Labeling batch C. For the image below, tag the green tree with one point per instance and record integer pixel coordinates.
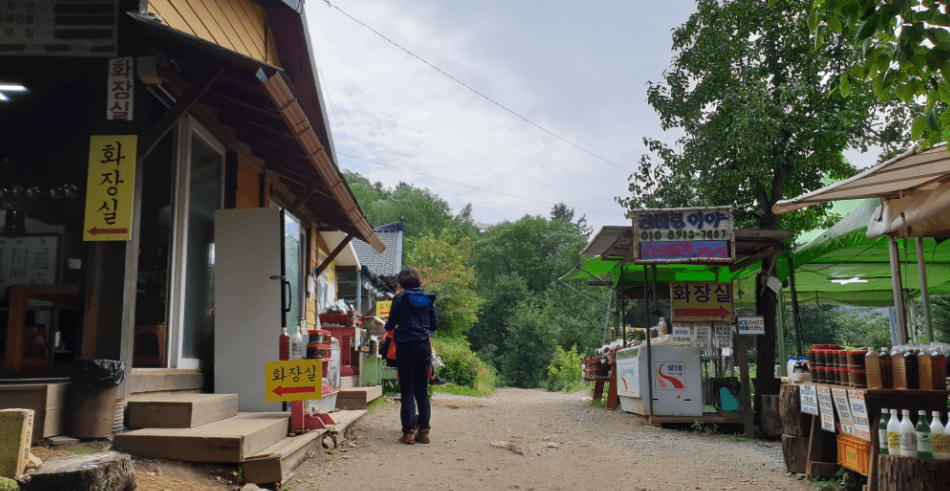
(424, 211)
(905, 54)
(442, 262)
(491, 329)
(528, 348)
(762, 121)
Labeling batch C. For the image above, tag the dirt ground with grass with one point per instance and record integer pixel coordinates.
(527, 439)
(534, 439)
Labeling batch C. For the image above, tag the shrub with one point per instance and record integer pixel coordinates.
(462, 367)
(566, 371)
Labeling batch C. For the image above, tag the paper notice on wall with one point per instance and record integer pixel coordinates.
(703, 332)
(826, 407)
(682, 336)
(723, 336)
(840, 397)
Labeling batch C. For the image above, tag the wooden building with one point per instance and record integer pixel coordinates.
(125, 126)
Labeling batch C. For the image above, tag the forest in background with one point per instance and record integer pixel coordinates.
(499, 294)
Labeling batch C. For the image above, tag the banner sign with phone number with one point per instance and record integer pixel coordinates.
(677, 235)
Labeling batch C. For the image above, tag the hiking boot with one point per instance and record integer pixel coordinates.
(408, 438)
(437, 381)
(423, 436)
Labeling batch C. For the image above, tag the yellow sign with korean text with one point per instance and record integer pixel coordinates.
(383, 308)
(702, 301)
(110, 187)
(297, 380)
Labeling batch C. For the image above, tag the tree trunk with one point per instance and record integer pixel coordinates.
(765, 304)
(897, 473)
(106, 471)
(795, 451)
(794, 422)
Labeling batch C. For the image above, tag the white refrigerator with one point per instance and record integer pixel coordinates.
(258, 276)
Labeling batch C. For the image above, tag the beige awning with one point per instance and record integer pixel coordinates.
(895, 178)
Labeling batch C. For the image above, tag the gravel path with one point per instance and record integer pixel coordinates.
(539, 440)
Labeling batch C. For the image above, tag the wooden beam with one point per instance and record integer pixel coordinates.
(763, 254)
(336, 252)
(175, 112)
(763, 234)
(301, 200)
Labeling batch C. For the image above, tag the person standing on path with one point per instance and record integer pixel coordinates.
(412, 319)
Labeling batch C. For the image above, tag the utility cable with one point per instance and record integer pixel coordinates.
(489, 99)
(470, 186)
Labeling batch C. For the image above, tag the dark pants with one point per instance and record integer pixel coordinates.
(414, 359)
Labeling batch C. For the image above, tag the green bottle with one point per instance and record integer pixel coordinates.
(882, 430)
(925, 450)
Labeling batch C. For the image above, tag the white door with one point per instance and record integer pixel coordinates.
(199, 191)
(248, 303)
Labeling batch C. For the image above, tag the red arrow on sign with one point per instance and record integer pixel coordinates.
(721, 312)
(281, 390)
(97, 231)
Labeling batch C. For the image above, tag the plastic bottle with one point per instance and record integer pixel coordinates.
(939, 363)
(893, 434)
(912, 368)
(925, 370)
(790, 366)
(908, 435)
(941, 442)
(925, 449)
(887, 369)
(900, 368)
(882, 430)
(872, 363)
(297, 346)
(284, 344)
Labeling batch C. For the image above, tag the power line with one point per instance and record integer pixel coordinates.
(470, 186)
(489, 99)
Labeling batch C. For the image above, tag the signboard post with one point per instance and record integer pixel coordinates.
(754, 325)
(683, 235)
(296, 380)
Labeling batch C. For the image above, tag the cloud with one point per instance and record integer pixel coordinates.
(577, 70)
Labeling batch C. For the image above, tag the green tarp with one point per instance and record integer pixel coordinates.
(841, 252)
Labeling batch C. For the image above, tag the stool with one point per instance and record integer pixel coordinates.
(149, 348)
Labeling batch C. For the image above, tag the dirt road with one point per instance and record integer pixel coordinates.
(533, 439)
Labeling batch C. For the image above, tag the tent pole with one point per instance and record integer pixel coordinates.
(649, 333)
(623, 325)
(795, 313)
(782, 352)
(898, 290)
(924, 294)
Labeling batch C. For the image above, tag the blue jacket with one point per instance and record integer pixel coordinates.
(413, 316)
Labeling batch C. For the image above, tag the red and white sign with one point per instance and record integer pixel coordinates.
(670, 375)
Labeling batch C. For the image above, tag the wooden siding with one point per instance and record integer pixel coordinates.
(238, 25)
(248, 185)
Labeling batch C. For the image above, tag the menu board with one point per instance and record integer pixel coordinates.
(682, 335)
(827, 408)
(859, 415)
(723, 336)
(840, 397)
(28, 260)
(809, 399)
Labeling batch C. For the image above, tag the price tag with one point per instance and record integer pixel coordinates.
(859, 415)
(840, 397)
(827, 408)
(809, 399)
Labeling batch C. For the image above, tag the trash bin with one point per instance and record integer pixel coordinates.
(94, 394)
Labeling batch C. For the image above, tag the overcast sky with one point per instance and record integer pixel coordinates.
(577, 69)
